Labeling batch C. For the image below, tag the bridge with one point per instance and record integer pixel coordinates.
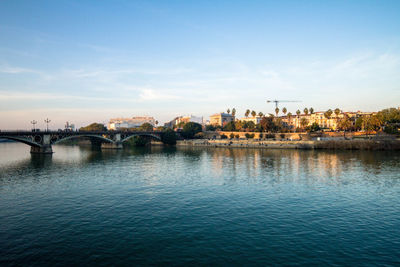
(42, 141)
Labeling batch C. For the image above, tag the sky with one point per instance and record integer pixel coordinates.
(89, 61)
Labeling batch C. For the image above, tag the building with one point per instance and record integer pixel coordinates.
(183, 119)
(134, 122)
(191, 118)
(220, 119)
(256, 119)
(295, 121)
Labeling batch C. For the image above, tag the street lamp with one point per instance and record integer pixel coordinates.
(47, 123)
(33, 123)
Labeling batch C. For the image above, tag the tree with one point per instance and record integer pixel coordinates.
(228, 111)
(311, 110)
(344, 123)
(298, 112)
(303, 122)
(233, 112)
(138, 141)
(284, 110)
(238, 125)
(249, 125)
(253, 113)
(267, 124)
(156, 123)
(146, 127)
(305, 111)
(315, 127)
(328, 114)
(246, 114)
(337, 112)
(388, 116)
(169, 137)
(230, 126)
(358, 123)
(190, 129)
(94, 127)
(260, 114)
(276, 111)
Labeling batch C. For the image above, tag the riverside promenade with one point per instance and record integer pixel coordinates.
(301, 144)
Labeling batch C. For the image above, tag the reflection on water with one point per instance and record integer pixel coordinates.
(310, 166)
(191, 206)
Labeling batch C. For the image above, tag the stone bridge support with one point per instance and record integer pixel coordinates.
(117, 144)
(45, 148)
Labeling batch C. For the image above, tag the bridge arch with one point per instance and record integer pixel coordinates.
(154, 136)
(26, 141)
(91, 136)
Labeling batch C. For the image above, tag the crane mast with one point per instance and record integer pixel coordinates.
(280, 101)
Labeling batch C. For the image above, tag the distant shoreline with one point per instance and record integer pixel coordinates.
(323, 144)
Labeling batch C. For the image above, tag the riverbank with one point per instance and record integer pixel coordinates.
(322, 144)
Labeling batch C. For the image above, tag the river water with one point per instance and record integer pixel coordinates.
(207, 206)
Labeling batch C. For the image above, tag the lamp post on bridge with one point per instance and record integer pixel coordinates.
(47, 123)
(33, 123)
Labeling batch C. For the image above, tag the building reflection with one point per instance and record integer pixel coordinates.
(215, 165)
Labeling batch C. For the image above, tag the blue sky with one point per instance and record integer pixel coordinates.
(86, 61)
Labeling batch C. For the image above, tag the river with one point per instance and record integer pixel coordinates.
(198, 206)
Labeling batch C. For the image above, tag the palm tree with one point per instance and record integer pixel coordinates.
(328, 114)
(289, 115)
(253, 113)
(260, 114)
(228, 111)
(233, 112)
(305, 111)
(246, 114)
(337, 112)
(277, 111)
(311, 110)
(284, 110)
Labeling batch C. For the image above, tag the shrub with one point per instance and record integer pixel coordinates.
(237, 136)
(199, 135)
(282, 135)
(223, 136)
(269, 136)
(249, 136)
(231, 136)
(210, 128)
(390, 129)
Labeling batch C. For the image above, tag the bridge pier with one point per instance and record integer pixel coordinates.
(112, 145)
(42, 150)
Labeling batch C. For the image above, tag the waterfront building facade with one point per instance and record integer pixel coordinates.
(183, 119)
(134, 122)
(295, 121)
(221, 119)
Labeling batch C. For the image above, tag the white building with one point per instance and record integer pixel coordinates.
(184, 119)
(134, 122)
